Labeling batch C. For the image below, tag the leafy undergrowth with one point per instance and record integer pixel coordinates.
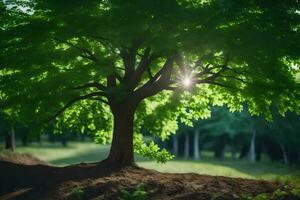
(135, 183)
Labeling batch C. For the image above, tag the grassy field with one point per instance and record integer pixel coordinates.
(77, 152)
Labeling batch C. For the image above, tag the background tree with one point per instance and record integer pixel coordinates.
(225, 127)
(284, 131)
(120, 66)
(7, 131)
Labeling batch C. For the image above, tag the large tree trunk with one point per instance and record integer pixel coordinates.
(121, 151)
(10, 140)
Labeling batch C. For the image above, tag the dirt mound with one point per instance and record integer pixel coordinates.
(112, 185)
(18, 158)
(164, 186)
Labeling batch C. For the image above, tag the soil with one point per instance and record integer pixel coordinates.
(18, 158)
(99, 181)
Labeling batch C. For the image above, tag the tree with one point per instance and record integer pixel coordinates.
(123, 66)
(285, 132)
(226, 127)
(8, 133)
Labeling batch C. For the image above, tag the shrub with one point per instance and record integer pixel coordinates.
(138, 193)
(76, 194)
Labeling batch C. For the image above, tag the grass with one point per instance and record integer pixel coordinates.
(238, 169)
(77, 152)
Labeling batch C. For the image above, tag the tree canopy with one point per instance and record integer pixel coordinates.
(77, 61)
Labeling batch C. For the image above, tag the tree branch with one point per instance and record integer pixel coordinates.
(159, 82)
(149, 73)
(90, 85)
(215, 83)
(234, 71)
(142, 67)
(87, 53)
(179, 61)
(71, 102)
(205, 70)
(99, 99)
(211, 78)
(105, 42)
(164, 70)
(129, 58)
(235, 78)
(111, 80)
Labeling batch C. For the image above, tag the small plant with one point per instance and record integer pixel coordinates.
(76, 194)
(296, 191)
(279, 194)
(261, 196)
(276, 195)
(138, 193)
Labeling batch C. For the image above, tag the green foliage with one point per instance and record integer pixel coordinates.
(279, 194)
(276, 195)
(259, 197)
(296, 191)
(285, 130)
(223, 121)
(78, 59)
(158, 115)
(138, 193)
(76, 194)
(151, 150)
(82, 119)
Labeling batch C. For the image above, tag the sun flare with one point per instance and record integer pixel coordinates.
(186, 81)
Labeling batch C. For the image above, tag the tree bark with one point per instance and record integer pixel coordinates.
(186, 146)
(196, 145)
(24, 139)
(244, 151)
(252, 155)
(10, 140)
(121, 151)
(233, 150)
(284, 154)
(220, 146)
(175, 145)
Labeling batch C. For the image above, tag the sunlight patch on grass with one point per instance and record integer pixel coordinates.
(77, 152)
(193, 167)
(236, 169)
